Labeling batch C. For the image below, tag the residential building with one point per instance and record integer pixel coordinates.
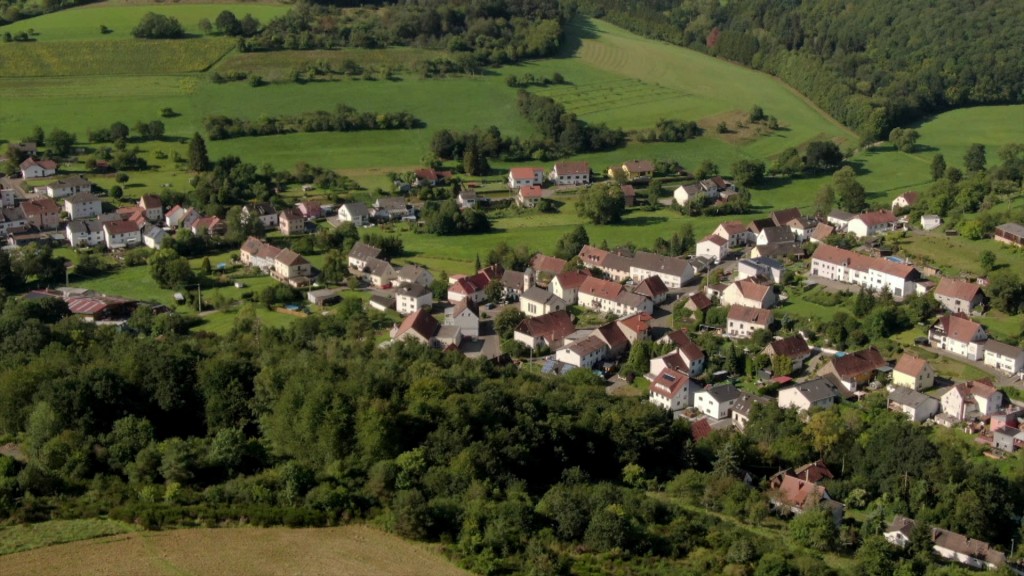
(548, 330)
(82, 206)
(84, 233)
(804, 396)
(653, 289)
(854, 369)
(566, 285)
(528, 196)
(584, 353)
(360, 254)
(900, 531)
(636, 327)
(634, 170)
(775, 235)
(905, 200)
(121, 234)
(69, 187)
(412, 274)
(734, 232)
(516, 283)
(154, 236)
(290, 221)
(607, 296)
(977, 398)
(919, 407)
(628, 195)
(258, 254)
(1007, 439)
(744, 406)
(310, 209)
(674, 272)
(153, 207)
(613, 338)
(796, 494)
(716, 402)
(760, 269)
(839, 219)
(913, 372)
(411, 298)
(208, 226)
(781, 218)
(672, 390)
(467, 199)
(465, 316)
(43, 213)
(930, 221)
(821, 232)
(713, 247)
(1005, 357)
(689, 193)
(875, 274)
(742, 321)
(379, 273)
(959, 296)
(615, 265)
(430, 177)
(802, 228)
(32, 168)
(871, 223)
(537, 302)
(390, 208)
(959, 335)
(355, 212)
(748, 293)
(793, 347)
(264, 212)
(967, 551)
(525, 176)
(323, 297)
(571, 173)
(698, 302)
(419, 327)
(291, 268)
(1010, 233)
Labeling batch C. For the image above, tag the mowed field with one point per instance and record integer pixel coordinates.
(343, 551)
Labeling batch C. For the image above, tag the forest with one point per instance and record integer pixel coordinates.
(874, 64)
(514, 471)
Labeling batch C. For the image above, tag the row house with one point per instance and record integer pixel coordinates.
(153, 207)
(68, 187)
(607, 296)
(875, 274)
(734, 232)
(43, 213)
(674, 272)
(82, 233)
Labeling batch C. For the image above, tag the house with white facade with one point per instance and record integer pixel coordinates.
(355, 212)
(672, 390)
(674, 272)
(713, 247)
(82, 206)
(959, 296)
(32, 168)
(607, 296)
(748, 293)
(537, 301)
(875, 274)
(716, 402)
(264, 212)
(691, 357)
(977, 398)
(571, 173)
(816, 393)
(583, 353)
(743, 321)
(566, 285)
(764, 269)
(153, 207)
(411, 298)
(465, 316)
(959, 335)
(913, 372)
(84, 233)
(1004, 357)
(549, 330)
(525, 176)
(734, 232)
(67, 187)
(917, 406)
(871, 223)
(121, 234)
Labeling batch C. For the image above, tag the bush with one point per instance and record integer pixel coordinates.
(154, 26)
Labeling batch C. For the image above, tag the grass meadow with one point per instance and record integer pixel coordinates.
(342, 551)
(24, 537)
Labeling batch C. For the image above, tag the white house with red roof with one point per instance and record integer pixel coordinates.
(959, 296)
(875, 274)
(905, 200)
(528, 196)
(742, 321)
(672, 390)
(566, 285)
(748, 293)
(959, 335)
(871, 223)
(966, 399)
(689, 353)
(419, 326)
(734, 232)
(32, 168)
(525, 176)
(121, 234)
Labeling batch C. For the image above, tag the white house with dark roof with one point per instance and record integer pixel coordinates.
(743, 321)
(262, 211)
(716, 402)
(121, 234)
(1004, 357)
(734, 232)
(583, 353)
(411, 298)
(412, 274)
(355, 212)
(84, 233)
(816, 393)
(571, 173)
(766, 269)
(537, 301)
(82, 206)
(153, 236)
(67, 187)
(674, 272)
(360, 254)
(465, 316)
(917, 406)
(744, 406)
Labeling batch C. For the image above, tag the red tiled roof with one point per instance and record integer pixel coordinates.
(701, 301)
(150, 201)
(605, 289)
(572, 168)
(40, 206)
(718, 240)
(857, 363)
(553, 326)
(752, 290)
(420, 322)
(758, 316)
(958, 328)
(840, 257)
(911, 197)
(592, 256)
(909, 364)
(120, 227)
(637, 323)
(957, 289)
(700, 429)
(782, 217)
(549, 264)
(638, 166)
(651, 287)
(289, 257)
(876, 218)
(687, 347)
(798, 492)
(612, 335)
(531, 191)
(571, 280)
(793, 347)
(524, 172)
(668, 383)
(732, 227)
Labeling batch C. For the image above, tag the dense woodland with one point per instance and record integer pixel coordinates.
(343, 119)
(872, 64)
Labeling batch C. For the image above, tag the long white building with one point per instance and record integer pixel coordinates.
(875, 274)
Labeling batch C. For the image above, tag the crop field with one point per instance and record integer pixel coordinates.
(343, 551)
(104, 57)
(30, 536)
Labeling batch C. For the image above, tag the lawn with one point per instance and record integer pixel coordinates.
(955, 254)
(951, 133)
(29, 536)
(341, 551)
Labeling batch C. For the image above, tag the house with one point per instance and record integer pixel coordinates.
(584, 353)
(566, 285)
(418, 327)
(913, 372)
(82, 206)
(634, 170)
(378, 273)
(871, 223)
(744, 406)
(467, 199)
(839, 219)
(607, 296)
(748, 293)
(355, 212)
(919, 407)
(614, 339)
(930, 221)
(758, 225)
(134, 213)
(258, 254)
(689, 193)
(525, 176)
(466, 288)
(547, 267)
(121, 234)
(967, 551)
(899, 531)
(802, 227)
(412, 274)
(797, 494)
(61, 188)
(734, 232)
(323, 297)
(43, 213)
(959, 335)
(571, 173)
(310, 209)
(430, 177)
(636, 327)
(537, 301)
(742, 321)
(687, 357)
(905, 200)
(84, 233)
(153, 207)
(775, 235)
(674, 272)
(1007, 358)
(32, 168)
(672, 390)
(515, 283)
(777, 251)
(291, 221)
(291, 268)
(713, 247)
(548, 330)
(653, 289)
(411, 298)
(793, 347)
(262, 211)
(360, 254)
(969, 399)
(208, 226)
(615, 265)
(804, 396)
(1010, 233)
(153, 236)
(781, 218)
(716, 402)
(821, 232)
(390, 208)
(1007, 439)
(174, 217)
(465, 316)
(528, 196)
(959, 296)
(875, 274)
(766, 269)
(854, 369)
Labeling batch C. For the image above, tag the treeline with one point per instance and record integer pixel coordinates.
(670, 131)
(874, 66)
(343, 119)
(14, 10)
(477, 31)
(445, 218)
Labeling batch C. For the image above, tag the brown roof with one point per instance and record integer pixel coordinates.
(814, 472)
(252, 245)
(910, 364)
(967, 546)
(752, 290)
(638, 166)
(701, 301)
(150, 201)
(798, 492)
(571, 280)
(564, 168)
(959, 328)
(659, 264)
(628, 190)
(361, 251)
(612, 335)
(700, 429)
(289, 257)
(651, 287)
(420, 322)
(268, 251)
(120, 227)
(980, 388)
(687, 347)
(524, 172)
(40, 206)
(876, 218)
(463, 305)
(637, 323)
(793, 347)
(587, 346)
(732, 227)
(957, 289)
(718, 240)
(668, 382)
(592, 256)
(857, 363)
(605, 289)
(553, 327)
(549, 264)
(531, 191)
(840, 257)
(758, 316)
(911, 197)
(782, 217)
(822, 230)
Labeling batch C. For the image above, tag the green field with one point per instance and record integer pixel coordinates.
(30, 536)
(951, 133)
(87, 58)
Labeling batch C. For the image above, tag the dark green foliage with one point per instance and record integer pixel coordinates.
(60, 142)
(446, 219)
(748, 172)
(601, 204)
(153, 25)
(198, 159)
(571, 243)
(343, 119)
(974, 158)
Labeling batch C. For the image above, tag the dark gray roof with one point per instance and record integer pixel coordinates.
(778, 234)
(909, 397)
(1002, 348)
(724, 393)
(357, 209)
(362, 251)
(816, 389)
(658, 263)
(537, 294)
(411, 290)
(745, 404)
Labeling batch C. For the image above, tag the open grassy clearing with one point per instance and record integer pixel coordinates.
(103, 57)
(84, 23)
(343, 551)
(951, 133)
(30, 536)
(956, 255)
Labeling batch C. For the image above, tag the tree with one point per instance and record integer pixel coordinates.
(335, 267)
(756, 114)
(474, 161)
(507, 320)
(198, 160)
(61, 142)
(494, 291)
(1006, 291)
(938, 167)
(850, 194)
(571, 243)
(170, 270)
(825, 200)
(789, 163)
(875, 557)
(154, 25)
(815, 529)
(748, 172)
(904, 139)
(706, 169)
(823, 155)
(204, 26)
(987, 261)
(440, 286)
(227, 23)
(601, 204)
(974, 158)
(782, 365)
